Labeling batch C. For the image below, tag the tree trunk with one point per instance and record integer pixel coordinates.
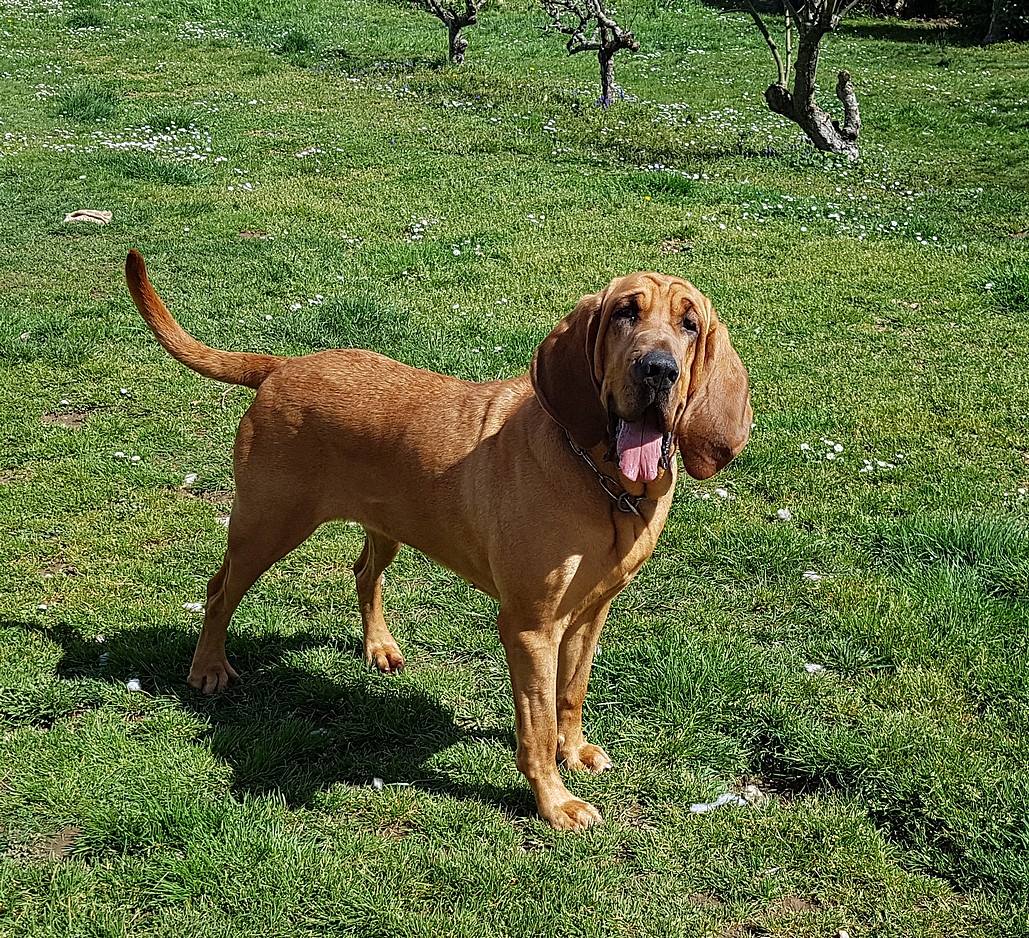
(457, 43)
(607, 78)
(799, 104)
(1009, 22)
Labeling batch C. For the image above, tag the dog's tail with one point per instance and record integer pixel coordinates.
(231, 367)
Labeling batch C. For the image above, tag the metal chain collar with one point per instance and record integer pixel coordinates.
(612, 487)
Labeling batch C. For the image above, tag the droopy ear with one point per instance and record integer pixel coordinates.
(563, 374)
(716, 423)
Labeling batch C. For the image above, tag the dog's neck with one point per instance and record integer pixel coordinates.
(629, 497)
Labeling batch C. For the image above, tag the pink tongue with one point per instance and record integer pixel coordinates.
(639, 449)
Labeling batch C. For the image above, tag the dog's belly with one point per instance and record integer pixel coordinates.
(426, 526)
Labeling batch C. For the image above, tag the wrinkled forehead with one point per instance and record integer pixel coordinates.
(655, 293)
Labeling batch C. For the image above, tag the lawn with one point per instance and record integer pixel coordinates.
(303, 176)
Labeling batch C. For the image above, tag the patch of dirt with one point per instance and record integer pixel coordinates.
(13, 476)
(793, 904)
(676, 246)
(72, 419)
(59, 566)
(254, 234)
(61, 843)
(704, 900)
(633, 815)
(747, 930)
(396, 829)
(781, 786)
(775, 915)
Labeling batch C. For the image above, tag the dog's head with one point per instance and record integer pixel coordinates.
(643, 366)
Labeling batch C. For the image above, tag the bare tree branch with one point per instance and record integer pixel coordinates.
(590, 27)
(780, 68)
(851, 112)
(789, 43)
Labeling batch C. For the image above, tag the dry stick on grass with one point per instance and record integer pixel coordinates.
(812, 19)
(455, 15)
(591, 28)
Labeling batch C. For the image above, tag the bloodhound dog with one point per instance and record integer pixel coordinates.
(547, 491)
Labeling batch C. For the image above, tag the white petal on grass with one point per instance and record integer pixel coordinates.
(784, 514)
(189, 480)
(223, 520)
(378, 784)
(193, 607)
(811, 576)
(133, 686)
(728, 798)
(814, 668)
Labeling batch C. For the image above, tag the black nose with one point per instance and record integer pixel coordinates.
(657, 369)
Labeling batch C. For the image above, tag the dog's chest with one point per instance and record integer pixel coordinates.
(634, 542)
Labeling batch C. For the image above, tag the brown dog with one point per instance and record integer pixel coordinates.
(546, 491)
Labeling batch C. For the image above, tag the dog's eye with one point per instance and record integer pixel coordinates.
(688, 325)
(627, 314)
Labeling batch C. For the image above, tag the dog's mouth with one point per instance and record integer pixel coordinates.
(643, 446)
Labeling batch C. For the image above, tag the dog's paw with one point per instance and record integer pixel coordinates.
(587, 758)
(573, 815)
(209, 677)
(385, 657)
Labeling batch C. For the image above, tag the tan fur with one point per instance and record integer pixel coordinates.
(479, 477)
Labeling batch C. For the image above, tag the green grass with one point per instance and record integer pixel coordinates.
(88, 103)
(272, 161)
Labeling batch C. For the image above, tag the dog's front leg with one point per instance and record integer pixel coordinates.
(532, 658)
(575, 661)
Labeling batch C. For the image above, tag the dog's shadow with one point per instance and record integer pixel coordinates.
(291, 731)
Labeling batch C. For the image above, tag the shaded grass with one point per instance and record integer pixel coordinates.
(85, 19)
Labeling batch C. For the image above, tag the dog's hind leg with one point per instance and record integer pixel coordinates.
(257, 538)
(380, 648)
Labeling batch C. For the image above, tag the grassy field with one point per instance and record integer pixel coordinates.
(302, 176)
